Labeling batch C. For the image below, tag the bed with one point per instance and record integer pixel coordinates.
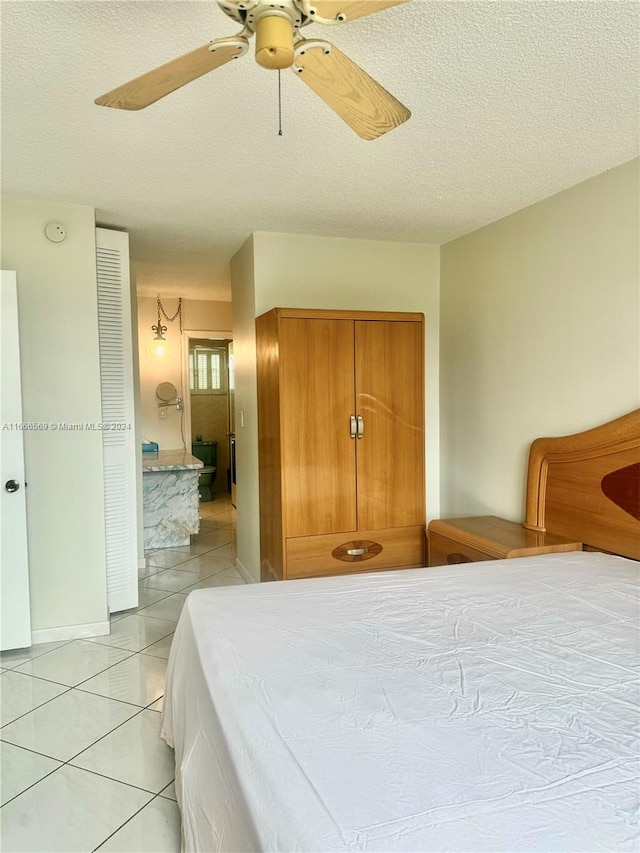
(491, 707)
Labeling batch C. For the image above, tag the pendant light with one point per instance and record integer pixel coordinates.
(159, 348)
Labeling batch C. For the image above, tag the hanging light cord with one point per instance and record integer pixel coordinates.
(166, 316)
(279, 104)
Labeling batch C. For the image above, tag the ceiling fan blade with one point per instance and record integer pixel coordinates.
(355, 96)
(351, 9)
(150, 87)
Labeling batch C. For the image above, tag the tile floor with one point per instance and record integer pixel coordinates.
(83, 765)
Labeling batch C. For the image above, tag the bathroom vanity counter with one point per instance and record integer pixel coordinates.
(170, 460)
(170, 498)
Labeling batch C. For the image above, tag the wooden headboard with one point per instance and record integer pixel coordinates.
(587, 486)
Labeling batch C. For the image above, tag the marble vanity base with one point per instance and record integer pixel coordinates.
(170, 508)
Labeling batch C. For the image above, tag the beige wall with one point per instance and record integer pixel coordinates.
(58, 319)
(210, 420)
(244, 350)
(206, 316)
(540, 335)
(291, 270)
(198, 315)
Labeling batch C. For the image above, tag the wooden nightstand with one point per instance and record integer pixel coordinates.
(487, 537)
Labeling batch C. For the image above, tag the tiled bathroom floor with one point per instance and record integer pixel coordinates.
(83, 765)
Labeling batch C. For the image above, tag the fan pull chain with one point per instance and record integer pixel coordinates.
(279, 104)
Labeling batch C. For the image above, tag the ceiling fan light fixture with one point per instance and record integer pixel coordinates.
(274, 40)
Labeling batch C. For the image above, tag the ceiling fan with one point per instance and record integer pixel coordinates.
(355, 96)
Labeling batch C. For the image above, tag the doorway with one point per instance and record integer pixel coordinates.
(209, 408)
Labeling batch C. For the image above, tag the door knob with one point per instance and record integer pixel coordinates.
(12, 485)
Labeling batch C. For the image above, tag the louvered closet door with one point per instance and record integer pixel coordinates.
(316, 401)
(118, 436)
(390, 400)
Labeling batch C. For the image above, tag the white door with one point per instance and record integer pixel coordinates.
(15, 628)
(120, 453)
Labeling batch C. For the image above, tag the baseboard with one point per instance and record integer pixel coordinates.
(246, 575)
(70, 632)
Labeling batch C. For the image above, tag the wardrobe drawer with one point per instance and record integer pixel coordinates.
(364, 551)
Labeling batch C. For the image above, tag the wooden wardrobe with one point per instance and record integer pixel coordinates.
(341, 441)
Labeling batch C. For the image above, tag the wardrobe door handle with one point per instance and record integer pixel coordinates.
(360, 431)
(352, 426)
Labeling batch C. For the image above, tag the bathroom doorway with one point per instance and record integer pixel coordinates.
(209, 408)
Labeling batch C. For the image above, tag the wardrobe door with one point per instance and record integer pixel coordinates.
(316, 404)
(390, 401)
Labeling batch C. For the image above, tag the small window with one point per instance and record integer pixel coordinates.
(208, 370)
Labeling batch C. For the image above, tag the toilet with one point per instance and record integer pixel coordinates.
(207, 452)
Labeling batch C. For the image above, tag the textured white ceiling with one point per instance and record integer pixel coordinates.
(511, 102)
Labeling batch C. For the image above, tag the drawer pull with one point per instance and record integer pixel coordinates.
(456, 559)
(353, 552)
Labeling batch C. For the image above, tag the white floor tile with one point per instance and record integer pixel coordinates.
(135, 632)
(73, 662)
(172, 580)
(216, 509)
(221, 579)
(22, 693)
(71, 810)
(68, 724)
(208, 525)
(147, 571)
(139, 679)
(229, 550)
(99, 724)
(156, 829)
(160, 649)
(167, 558)
(150, 596)
(16, 657)
(157, 706)
(169, 792)
(207, 564)
(145, 598)
(21, 768)
(214, 538)
(121, 614)
(168, 608)
(134, 753)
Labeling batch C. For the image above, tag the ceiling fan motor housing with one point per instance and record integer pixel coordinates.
(274, 24)
(274, 40)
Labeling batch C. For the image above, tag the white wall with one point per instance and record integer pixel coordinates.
(540, 335)
(291, 271)
(58, 319)
(244, 355)
(200, 315)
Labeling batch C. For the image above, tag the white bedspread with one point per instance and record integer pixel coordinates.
(486, 707)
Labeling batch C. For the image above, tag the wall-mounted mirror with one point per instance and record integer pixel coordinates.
(167, 394)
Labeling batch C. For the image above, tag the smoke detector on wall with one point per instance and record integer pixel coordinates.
(55, 231)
